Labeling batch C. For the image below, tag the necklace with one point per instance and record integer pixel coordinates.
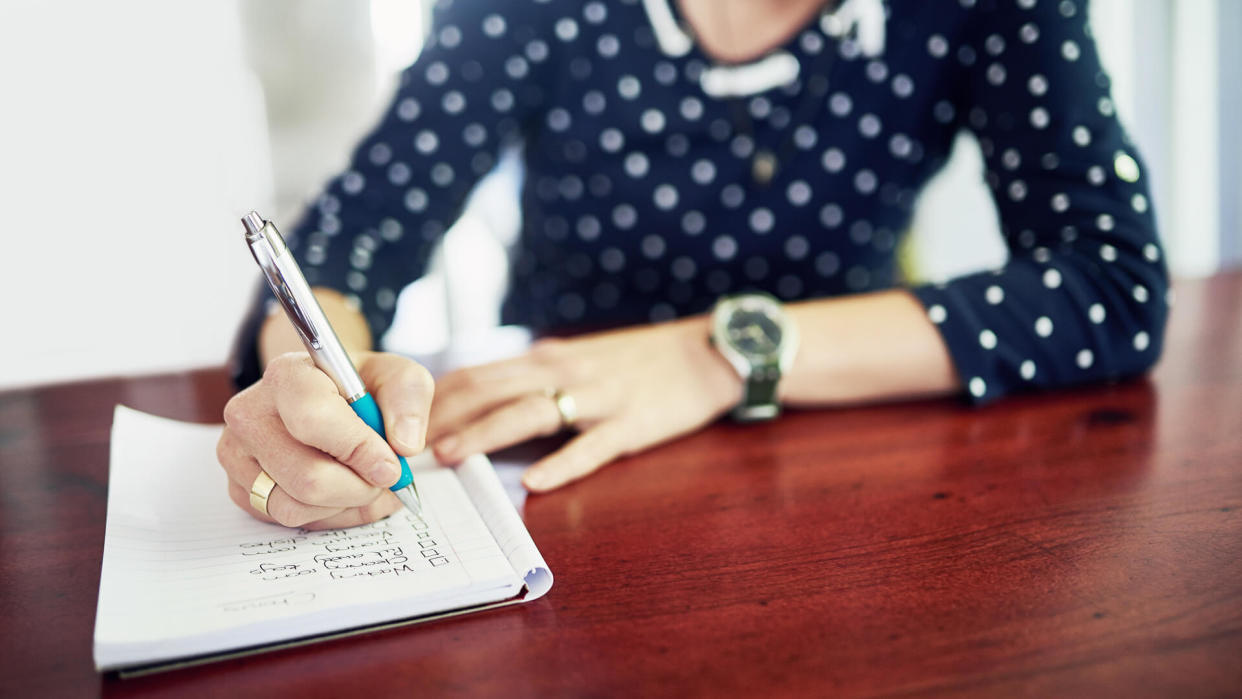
(766, 161)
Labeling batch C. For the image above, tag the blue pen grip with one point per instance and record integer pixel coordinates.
(366, 409)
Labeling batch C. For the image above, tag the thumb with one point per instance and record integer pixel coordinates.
(403, 390)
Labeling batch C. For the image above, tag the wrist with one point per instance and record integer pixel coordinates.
(721, 383)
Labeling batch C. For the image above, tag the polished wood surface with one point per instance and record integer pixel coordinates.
(1080, 543)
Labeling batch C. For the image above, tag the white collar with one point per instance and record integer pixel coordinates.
(866, 18)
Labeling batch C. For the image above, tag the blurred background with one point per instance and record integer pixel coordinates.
(134, 133)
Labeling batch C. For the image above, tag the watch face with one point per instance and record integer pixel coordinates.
(753, 332)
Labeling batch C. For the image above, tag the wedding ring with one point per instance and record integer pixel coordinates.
(260, 490)
(566, 406)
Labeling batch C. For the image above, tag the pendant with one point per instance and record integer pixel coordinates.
(763, 166)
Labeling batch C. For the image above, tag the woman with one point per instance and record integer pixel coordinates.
(678, 153)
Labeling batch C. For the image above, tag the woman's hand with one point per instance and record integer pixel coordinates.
(633, 389)
(331, 469)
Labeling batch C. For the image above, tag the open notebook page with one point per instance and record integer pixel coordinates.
(186, 572)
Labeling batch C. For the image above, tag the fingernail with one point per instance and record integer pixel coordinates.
(386, 472)
(411, 433)
(447, 447)
(535, 481)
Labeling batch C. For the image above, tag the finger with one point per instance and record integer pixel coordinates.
(582, 455)
(314, 413)
(381, 507)
(467, 393)
(403, 389)
(532, 415)
(281, 508)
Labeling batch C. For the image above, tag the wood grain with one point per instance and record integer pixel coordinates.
(1085, 542)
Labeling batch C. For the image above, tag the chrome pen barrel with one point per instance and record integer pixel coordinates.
(287, 283)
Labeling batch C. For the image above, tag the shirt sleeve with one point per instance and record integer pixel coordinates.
(1084, 294)
(475, 87)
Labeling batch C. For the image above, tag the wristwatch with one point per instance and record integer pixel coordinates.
(756, 336)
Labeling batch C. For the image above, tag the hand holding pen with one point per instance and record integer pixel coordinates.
(305, 446)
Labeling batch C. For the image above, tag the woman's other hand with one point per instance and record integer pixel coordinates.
(632, 389)
(331, 470)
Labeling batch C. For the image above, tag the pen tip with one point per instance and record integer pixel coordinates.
(409, 497)
(253, 222)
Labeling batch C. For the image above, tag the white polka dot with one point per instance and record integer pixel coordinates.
(1105, 222)
(416, 200)
(937, 314)
(1151, 252)
(865, 181)
(611, 260)
(566, 29)
(742, 146)
(1070, 50)
(353, 182)
(797, 247)
(805, 137)
(903, 86)
(937, 46)
(1040, 118)
(840, 104)
(502, 100)
(1029, 33)
(1126, 167)
(437, 73)
(636, 165)
(833, 160)
(987, 339)
(629, 87)
(798, 193)
(611, 140)
(994, 295)
(624, 216)
(442, 174)
(1060, 202)
(608, 46)
(1096, 313)
(1108, 253)
(1084, 359)
(1052, 278)
(1141, 341)
(1038, 85)
(1010, 159)
(595, 12)
(516, 67)
(588, 228)
(1027, 369)
(693, 223)
(732, 196)
(1017, 190)
(653, 246)
(978, 387)
(869, 125)
(653, 121)
(761, 220)
(1140, 293)
(450, 37)
(537, 50)
(691, 108)
(703, 171)
(379, 154)
(665, 196)
(1082, 136)
(996, 74)
(724, 247)
(493, 25)
(1138, 202)
(1043, 326)
(1095, 175)
(831, 215)
(426, 141)
(827, 264)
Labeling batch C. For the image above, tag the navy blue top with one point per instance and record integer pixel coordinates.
(639, 202)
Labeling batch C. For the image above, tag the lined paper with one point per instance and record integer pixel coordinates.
(186, 572)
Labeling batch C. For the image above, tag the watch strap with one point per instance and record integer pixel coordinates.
(759, 400)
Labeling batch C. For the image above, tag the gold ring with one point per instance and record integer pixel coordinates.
(260, 490)
(566, 406)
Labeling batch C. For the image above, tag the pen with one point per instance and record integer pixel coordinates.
(287, 283)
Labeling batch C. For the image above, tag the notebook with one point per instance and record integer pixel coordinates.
(189, 578)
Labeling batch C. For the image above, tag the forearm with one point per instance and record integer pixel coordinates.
(277, 335)
(866, 348)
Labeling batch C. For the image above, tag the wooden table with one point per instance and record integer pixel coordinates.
(1080, 543)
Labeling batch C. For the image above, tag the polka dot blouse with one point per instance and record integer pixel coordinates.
(643, 199)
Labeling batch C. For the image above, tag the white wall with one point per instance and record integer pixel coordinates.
(133, 137)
